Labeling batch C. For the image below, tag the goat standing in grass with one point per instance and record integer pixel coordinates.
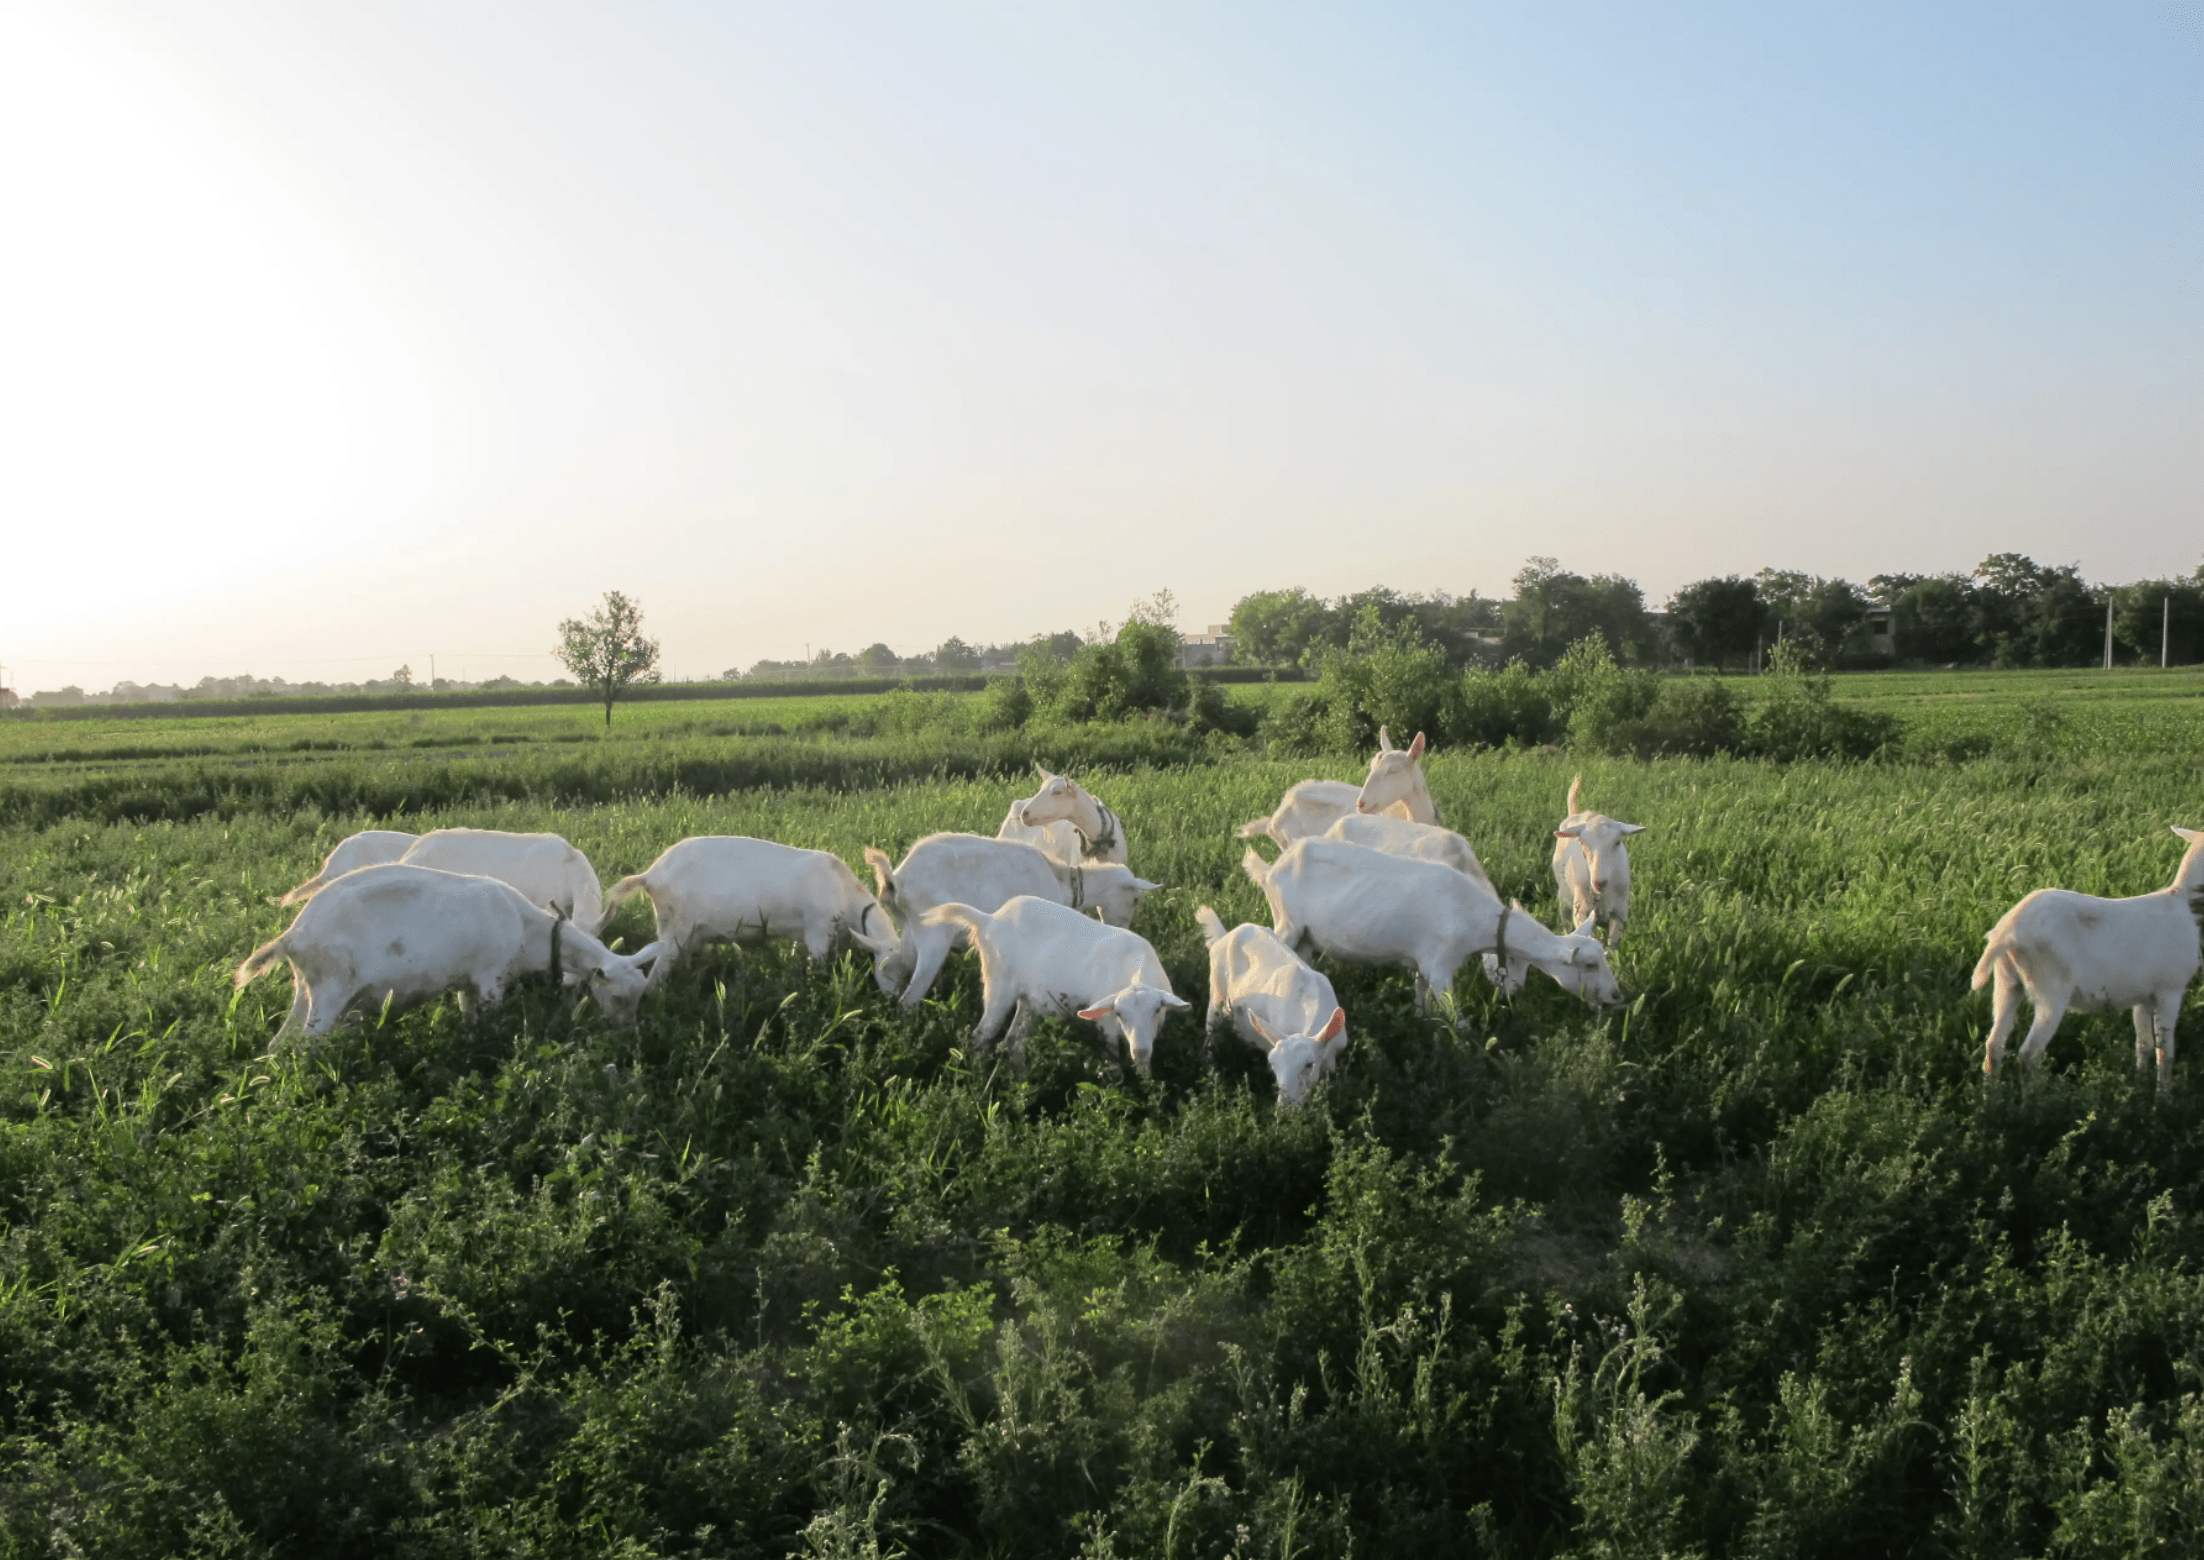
(2076, 950)
(1592, 866)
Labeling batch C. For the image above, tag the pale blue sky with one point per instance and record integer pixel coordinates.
(344, 336)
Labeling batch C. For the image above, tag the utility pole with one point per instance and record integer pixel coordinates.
(2165, 628)
(2108, 633)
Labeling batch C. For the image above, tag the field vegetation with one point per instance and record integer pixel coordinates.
(1756, 1265)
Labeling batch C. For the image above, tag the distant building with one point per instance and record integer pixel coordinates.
(1878, 628)
(1213, 648)
(8, 700)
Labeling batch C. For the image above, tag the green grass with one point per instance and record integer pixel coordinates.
(1754, 1266)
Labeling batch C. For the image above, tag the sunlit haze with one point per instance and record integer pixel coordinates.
(341, 337)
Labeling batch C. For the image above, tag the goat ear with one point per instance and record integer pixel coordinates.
(1630, 828)
(1104, 1011)
(1037, 769)
(1385, 740)
(1172, 999)
(1262, 1029)
(1145, 886)
(1415, 748)
(1334, 1026)
(1584, 927)
(1569, 831)
(2191, 835)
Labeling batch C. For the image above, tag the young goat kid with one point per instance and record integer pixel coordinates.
(1591, 867)
(2076, 950)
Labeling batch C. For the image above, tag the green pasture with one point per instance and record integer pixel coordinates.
(1756, 1265)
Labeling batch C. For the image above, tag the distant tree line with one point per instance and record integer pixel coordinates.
(2011, 611)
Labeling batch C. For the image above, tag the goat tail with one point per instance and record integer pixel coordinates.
(883, 871)
(1575, 786)
(1999, 949)
(621, 892)
(258, 962)
(1212, 927)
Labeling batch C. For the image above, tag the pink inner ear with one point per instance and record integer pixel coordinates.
(1101, 1012)
(1332, 1029)
(1415, 748)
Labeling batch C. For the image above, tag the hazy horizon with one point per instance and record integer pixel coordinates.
(343, 339)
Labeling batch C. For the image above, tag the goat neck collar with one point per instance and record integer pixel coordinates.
(1500, 940)
(558, 925)
(1105, 842)
(1078, 886)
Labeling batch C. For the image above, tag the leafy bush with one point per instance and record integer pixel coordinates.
(1511, 705)
(1390, 677)
(1683, 717)
(1796, 717)
(1007, 705)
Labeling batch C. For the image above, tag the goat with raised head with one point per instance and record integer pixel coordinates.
(1062, 799)
(1592, 867)
(2068, 950)
(1395, 785)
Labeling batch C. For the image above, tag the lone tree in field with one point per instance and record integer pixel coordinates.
(607, 651)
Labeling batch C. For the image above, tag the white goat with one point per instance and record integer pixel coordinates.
(1591, 866)
(545, 867)
(1058, 841)
(1416, 841)
(1395, 785)
(368, 848)
(730, 888)
(1361, 904)
(1062, 799)
(2076, 950)
(412, 932)
(971, 869)
(1040, 958)
(1277, 1003)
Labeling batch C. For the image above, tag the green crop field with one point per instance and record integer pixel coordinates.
(1755, 1265)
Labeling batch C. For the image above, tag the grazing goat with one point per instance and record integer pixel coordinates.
(730, 888)
(1591, 866)
(1364, 905)
(2076, 950)
(971, 869)
(545, 867)
(1062, 799)
(1395, 786)
(1277, 1003)
(368, 848)
(410, 932)
(1416, 841)
(1039, 958)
